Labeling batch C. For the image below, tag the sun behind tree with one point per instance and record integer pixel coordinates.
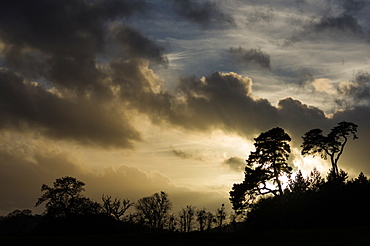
(332, 145)
(264, 165)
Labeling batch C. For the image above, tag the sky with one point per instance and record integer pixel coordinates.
(137, 97)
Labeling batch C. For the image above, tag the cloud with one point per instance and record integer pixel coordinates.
(184, 155)
(343, 26)
(251, 57)
(29, 106)
(206, 14)
(345, 94)
(297, 117)
(305, 76)
(235, 163)
(343, 23)
(324, 85)
(134, 44)
(354, 93)
(362, 77)
(223, 101)
(260, 15)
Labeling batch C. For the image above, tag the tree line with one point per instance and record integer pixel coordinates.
(68, 211)
(261, 201)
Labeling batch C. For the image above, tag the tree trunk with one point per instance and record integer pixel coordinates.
(277, 180)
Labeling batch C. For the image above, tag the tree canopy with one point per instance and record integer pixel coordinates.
(332, 145)
(153, 210)
(264, 166)
(65, 198)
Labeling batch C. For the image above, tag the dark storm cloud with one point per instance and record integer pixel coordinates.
(223, 100)
(64, 39)
(140, 89)
(235, 163)
(344, 26)
(251, 57)
(26, 106)
(342, 23)
(298, 117)
(49, 24)
(68, 46)
(218, 101)
(205, 13)
(134, 44)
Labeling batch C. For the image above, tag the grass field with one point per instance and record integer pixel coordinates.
(330, 236)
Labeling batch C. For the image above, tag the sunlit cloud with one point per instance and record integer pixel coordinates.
(324, 85)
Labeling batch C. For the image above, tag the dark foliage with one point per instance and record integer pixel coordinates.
(65, 199)
(331, 204)
(264, 166)
(153, 211)
(19, 223)
(332, 145)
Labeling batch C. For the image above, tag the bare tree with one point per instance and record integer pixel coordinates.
(210, 220)
(202, 219)
(153, 210)
(187, 216)
(220, 217)
(117, 207)
(172, 222)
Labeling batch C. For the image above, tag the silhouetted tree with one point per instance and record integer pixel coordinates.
(202, 218)
(187, 216)
(154, 210)
(115, 208)
(299, 184)
(315, 180)
(172, 222)
(332, 145)
(220, 217)
(336, 179)
(361, 179)
(210, 220)
(65, 198)
(267, 163)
